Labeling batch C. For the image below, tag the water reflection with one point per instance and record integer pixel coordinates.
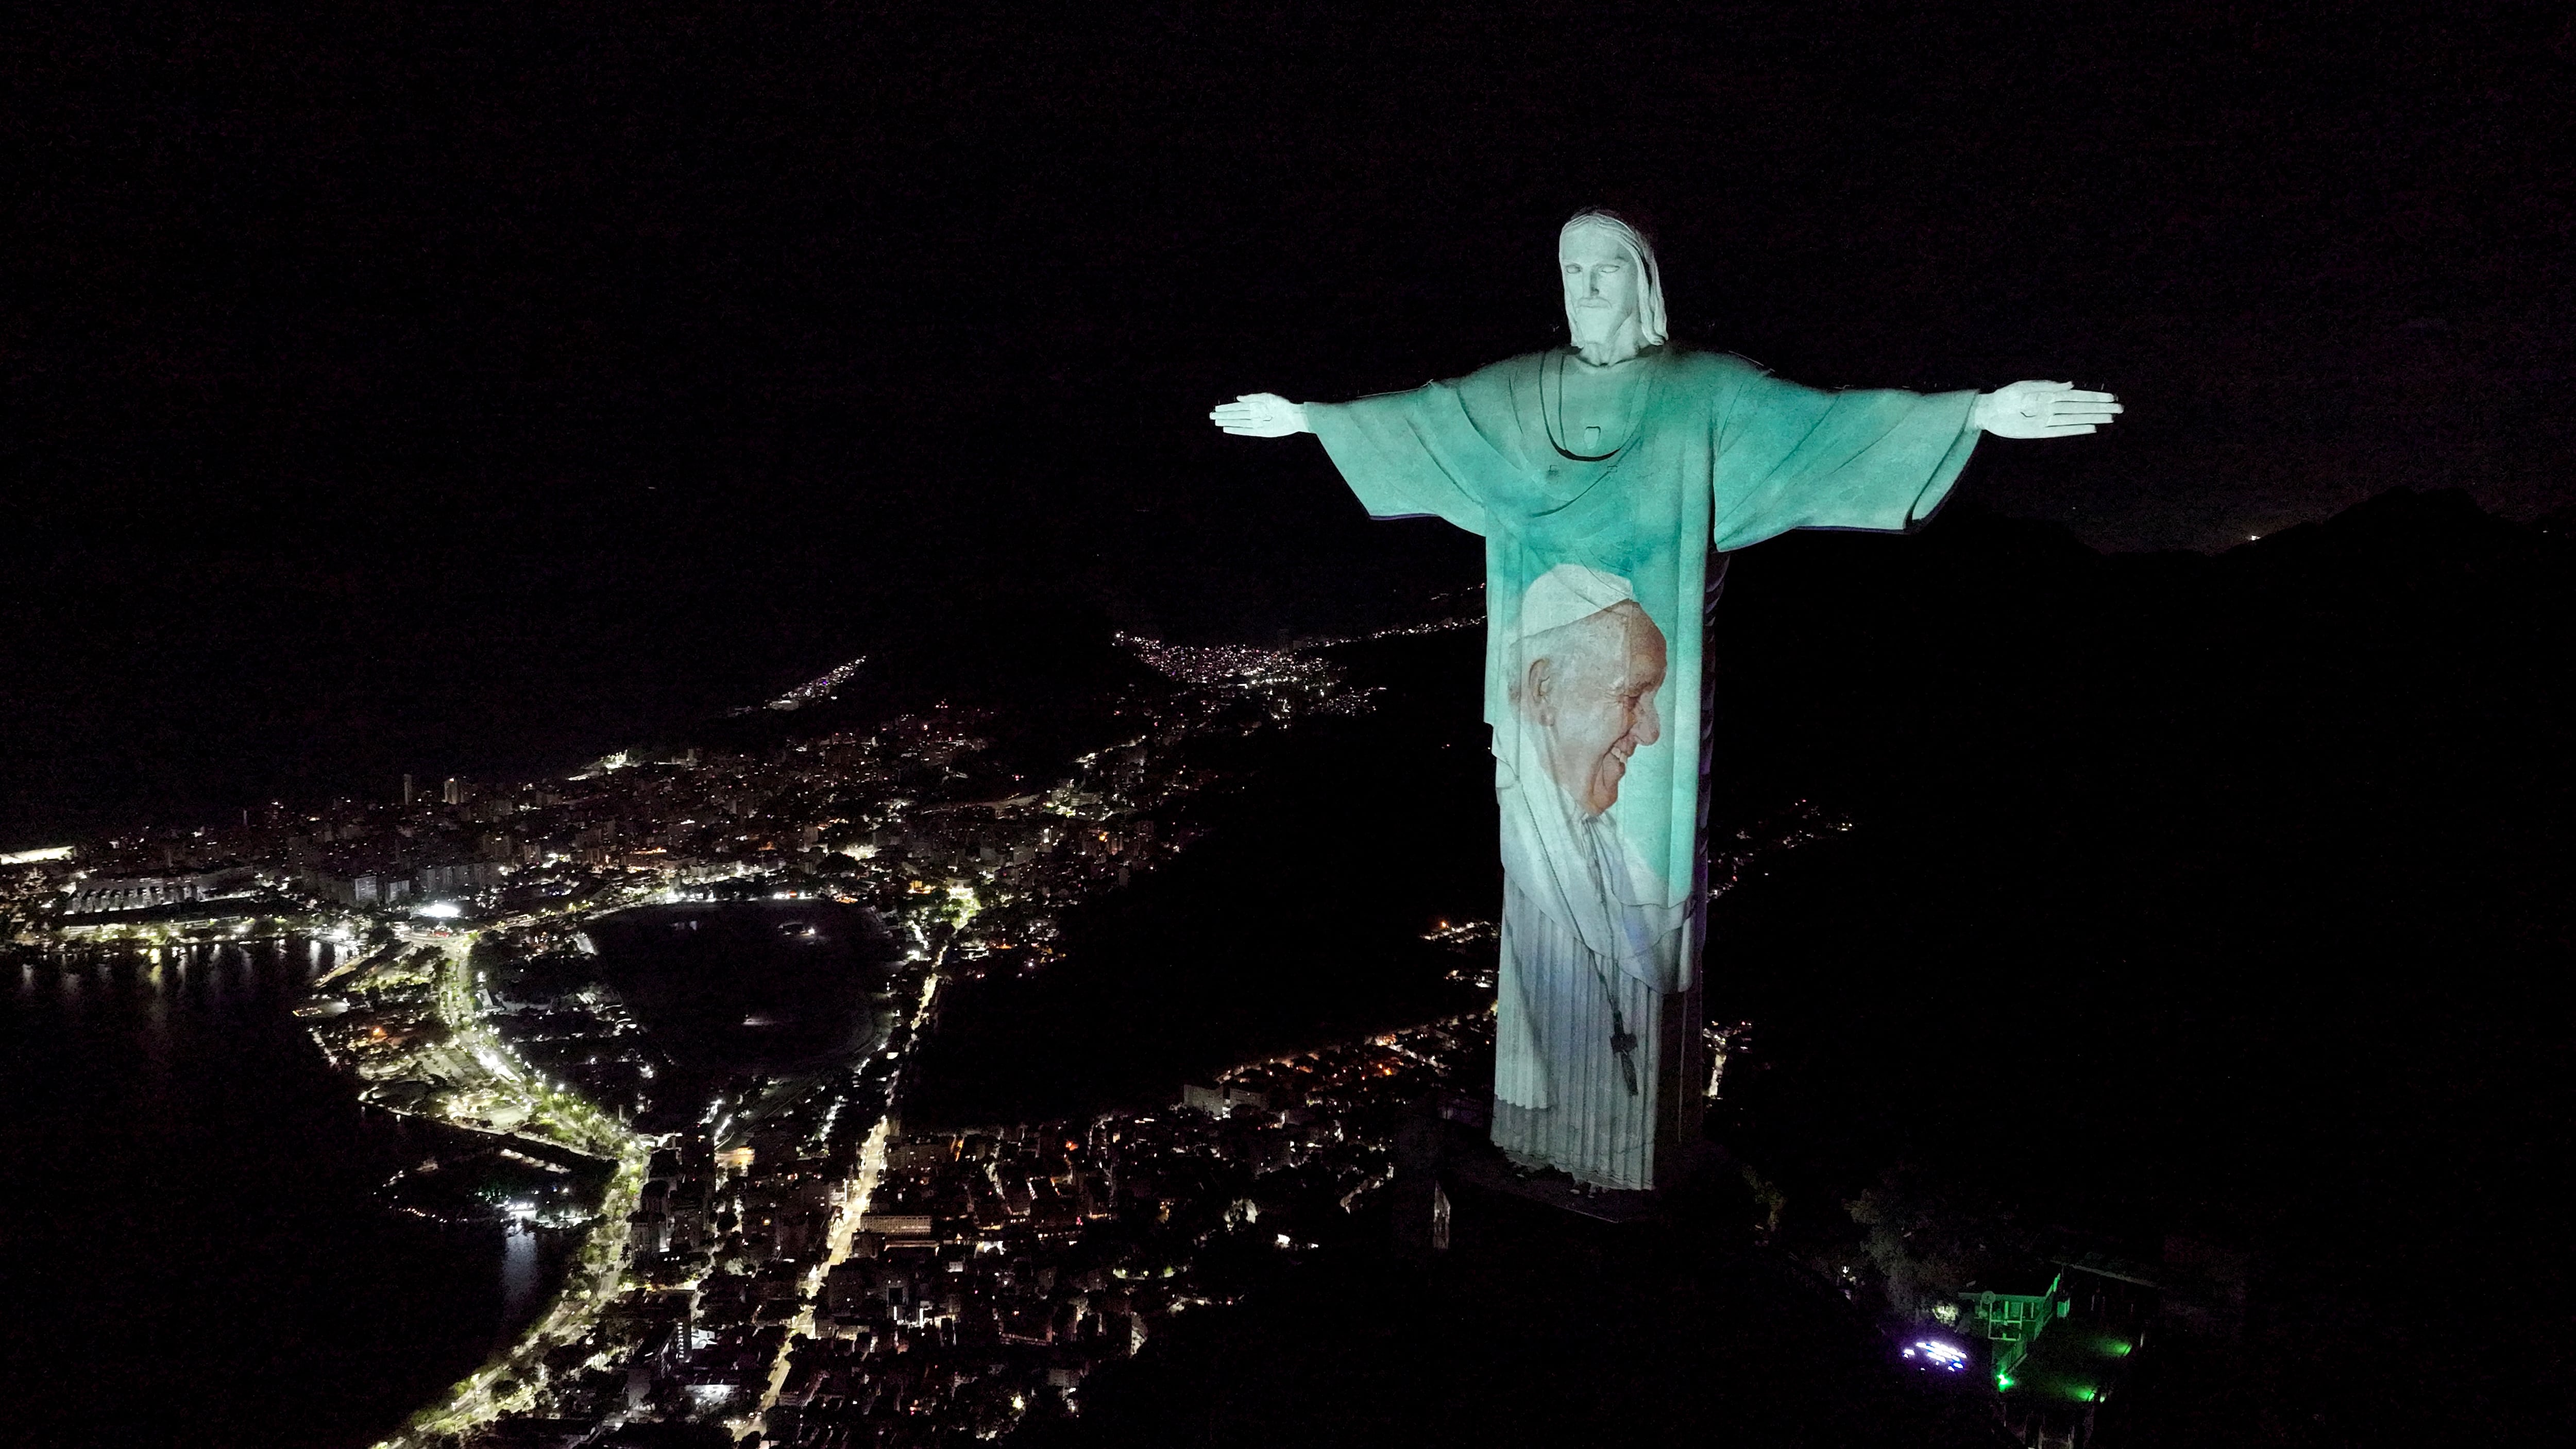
(151, 996)
(195, 1104)
(522, 1281)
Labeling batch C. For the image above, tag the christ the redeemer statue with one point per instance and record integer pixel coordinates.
(1605, 476)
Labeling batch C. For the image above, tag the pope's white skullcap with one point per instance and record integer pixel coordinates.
(1569, 592)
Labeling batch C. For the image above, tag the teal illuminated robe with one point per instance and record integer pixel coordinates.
(1598, 1017)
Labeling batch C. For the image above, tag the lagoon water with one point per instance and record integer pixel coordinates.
(191, 1249)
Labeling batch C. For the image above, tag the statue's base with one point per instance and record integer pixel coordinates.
(1476, 1163)
(1448, 1170)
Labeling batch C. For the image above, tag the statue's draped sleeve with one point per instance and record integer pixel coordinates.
(1797, 457)
(1410, 454)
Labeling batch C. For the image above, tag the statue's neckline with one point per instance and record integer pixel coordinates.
(1643, 354)
(1551, 411)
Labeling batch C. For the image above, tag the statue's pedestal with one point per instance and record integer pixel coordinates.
(1447, 1171)
(1477, 1165)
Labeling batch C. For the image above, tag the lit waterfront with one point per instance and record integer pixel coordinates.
(209, 1229)
(736, 1178)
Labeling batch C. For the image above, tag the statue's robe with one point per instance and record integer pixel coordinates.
(1598, 1018)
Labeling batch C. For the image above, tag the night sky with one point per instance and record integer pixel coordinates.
(441, 390)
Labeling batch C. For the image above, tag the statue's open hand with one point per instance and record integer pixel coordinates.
(1259, 415)
(2044, 410)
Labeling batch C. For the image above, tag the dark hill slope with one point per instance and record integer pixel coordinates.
(2220, 896)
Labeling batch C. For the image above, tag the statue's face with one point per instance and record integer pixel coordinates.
(1600, 281)
(1593, 695)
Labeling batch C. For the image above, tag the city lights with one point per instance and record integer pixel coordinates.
(765, 1204)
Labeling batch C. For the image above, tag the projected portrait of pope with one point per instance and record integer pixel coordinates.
(1587, 685)
(1591, 929)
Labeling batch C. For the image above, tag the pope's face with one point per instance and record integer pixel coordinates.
(1600, 281)
(1594, 701)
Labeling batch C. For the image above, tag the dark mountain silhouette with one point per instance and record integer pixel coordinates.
(2217, 896)
(1051, 674)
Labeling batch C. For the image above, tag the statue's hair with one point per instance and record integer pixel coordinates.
(1564, 609)
(1651, 329)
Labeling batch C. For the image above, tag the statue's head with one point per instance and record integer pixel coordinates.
(1614, 298)
(1589, 665)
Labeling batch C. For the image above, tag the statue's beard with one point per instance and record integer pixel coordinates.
(1602, 334)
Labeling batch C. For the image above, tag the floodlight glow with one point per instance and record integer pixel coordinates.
(442, 910)
(1944, 1355)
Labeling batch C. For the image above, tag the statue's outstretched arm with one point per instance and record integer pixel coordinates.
(1262, 415)
(2043, 410)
